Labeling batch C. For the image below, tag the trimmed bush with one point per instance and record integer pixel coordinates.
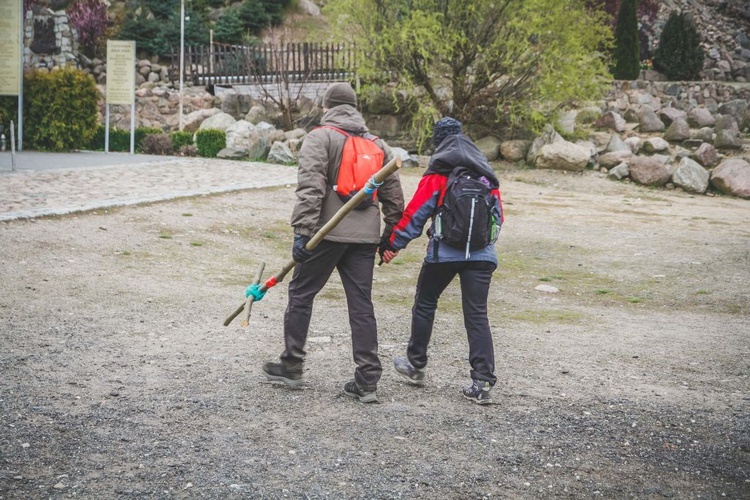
(679, 55)
(60, 109)
(119, 139)
(210, 141)
(181, 138)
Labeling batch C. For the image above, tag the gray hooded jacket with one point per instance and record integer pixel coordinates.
(319, 160)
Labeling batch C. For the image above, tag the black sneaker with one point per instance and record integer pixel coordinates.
(280, 372)
(479, 392)
(353, 390)
(414, 376)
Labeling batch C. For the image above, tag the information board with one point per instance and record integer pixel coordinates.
(120, 71)
(10, 47)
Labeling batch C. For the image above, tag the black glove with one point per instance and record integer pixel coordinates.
(299, 252)
(385, 244)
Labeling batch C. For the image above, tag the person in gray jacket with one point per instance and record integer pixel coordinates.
(350, 248)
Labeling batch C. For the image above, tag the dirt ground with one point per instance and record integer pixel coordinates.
(118, 379)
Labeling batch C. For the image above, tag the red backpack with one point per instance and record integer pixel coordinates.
(360, 160)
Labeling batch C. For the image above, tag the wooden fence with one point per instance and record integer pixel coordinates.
(266, 63)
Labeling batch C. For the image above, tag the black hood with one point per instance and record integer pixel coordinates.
(458, 151)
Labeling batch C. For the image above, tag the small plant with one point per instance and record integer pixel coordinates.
(196, 243)
(165, 236)
(679, 55)
(157, 144)
(181, 138)
(210, 141)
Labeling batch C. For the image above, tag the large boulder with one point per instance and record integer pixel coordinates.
(735, 108)
(245, 135)
(726, 122)
(193, 120)
(706, 155)
(619, 172)
(655, 145)
(728, 139)
(617, 144)
(701, 117)
(691, 177)
(609, 160)
(648, 121)
(281, 153)
(611, 121)
(490, 147)
(514, 150)
(732, 177)
(219, 121)
(563, 155)
(308, 7)
(649, 171)
(669, 115)
(549, 136)
(236, 104)
(678, 131)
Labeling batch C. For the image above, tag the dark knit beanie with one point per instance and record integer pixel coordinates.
(338, 94)
(443, 128)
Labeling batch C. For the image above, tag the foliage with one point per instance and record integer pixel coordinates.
(257, 15)
(162, 9)
(89, 18)
(157, 144)
(119, 139)
(474, 59)
(210, 141)
(626, 55)
(229, 28)
(181, 138)
(159, 36)
(8, 113)
(647, 9)
(60, 109)
(679, 55)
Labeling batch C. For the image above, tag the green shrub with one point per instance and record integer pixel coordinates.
(119, 139)
(157, 144)
(210, 141)
(679, 55)
(60, 109)
(627, 65)
(181, 138)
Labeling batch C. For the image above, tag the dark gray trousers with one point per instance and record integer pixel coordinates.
(475, 285)
(355, 264)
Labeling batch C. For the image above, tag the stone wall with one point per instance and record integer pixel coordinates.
(49, 41)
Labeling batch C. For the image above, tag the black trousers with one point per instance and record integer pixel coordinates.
(475, 284)
(355, 264)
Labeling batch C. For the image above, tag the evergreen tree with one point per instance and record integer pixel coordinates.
(626, 55)
(679, 55)
(228, 28)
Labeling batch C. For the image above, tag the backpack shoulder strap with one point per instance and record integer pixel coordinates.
(336, 129)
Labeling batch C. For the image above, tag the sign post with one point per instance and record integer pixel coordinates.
(120, 83)
(11, 56)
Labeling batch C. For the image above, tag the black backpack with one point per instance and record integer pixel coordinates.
(467, 218)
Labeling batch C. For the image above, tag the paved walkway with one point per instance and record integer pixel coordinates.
(62, 183)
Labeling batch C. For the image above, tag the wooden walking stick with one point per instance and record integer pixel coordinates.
(256, 291)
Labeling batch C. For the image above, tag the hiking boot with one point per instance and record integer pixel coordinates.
(479, 392)
(352, 389)
(414, 376)
(282, 372)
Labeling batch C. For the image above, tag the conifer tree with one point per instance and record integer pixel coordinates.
(679, 55)
(627, 65)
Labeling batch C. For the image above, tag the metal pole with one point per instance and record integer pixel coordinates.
(106, 127)
(132, 128)
(12, 147)
(182, 53)
(20, 92)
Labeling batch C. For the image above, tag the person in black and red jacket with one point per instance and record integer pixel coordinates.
(452, 149)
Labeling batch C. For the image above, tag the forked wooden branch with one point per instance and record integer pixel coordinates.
(382, 174)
